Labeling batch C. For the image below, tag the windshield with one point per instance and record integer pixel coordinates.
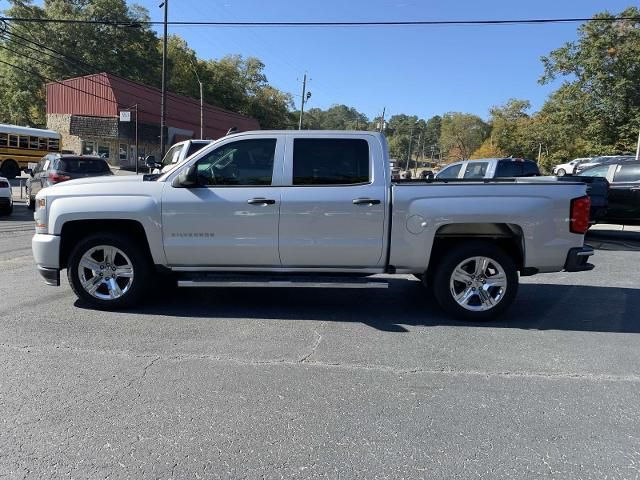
(173, 155)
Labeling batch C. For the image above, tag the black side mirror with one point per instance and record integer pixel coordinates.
(187, 178)
(150, 162)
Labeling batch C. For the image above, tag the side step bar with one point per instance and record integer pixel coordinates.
(257, 281)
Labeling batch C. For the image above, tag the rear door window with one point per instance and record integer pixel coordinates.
(530, 169)
(508, 168)
(476, 170)
(330, 161)
(83, 165)
(599, 171)
(629, 172)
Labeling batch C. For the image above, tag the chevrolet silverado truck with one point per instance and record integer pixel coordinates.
(307, 209)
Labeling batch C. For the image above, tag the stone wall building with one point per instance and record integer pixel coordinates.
(86, 112)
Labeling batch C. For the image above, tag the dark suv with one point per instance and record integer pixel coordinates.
(55, 168)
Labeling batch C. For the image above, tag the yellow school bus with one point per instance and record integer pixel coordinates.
(20, 146)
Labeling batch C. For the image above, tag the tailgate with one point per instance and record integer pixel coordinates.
(598, 191)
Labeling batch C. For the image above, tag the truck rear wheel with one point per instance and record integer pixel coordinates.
(475, 281)
(109, 271)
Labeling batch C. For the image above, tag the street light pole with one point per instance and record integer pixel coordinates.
(201, 103)
(163, 100)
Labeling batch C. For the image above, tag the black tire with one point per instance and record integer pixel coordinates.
(561, 172)
(9, 169)
(141, 263)
(7, 211)
(442, 281)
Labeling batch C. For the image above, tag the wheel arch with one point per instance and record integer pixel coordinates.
(74, 230)
(509, 237)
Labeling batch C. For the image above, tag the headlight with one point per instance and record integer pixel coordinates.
(40, 215)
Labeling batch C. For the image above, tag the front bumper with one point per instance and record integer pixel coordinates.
(51, 275)
(46, 253)
(577, 260)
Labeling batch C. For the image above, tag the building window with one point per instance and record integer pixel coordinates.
(88, 148)
(123, 151)
(104, 150)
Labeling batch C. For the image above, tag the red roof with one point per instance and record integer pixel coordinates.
(104, 95)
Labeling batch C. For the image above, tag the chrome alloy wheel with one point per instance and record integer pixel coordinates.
(105, 272)
(478, 284)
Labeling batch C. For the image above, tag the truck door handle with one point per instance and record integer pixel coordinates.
(260, 201)
(365, 201)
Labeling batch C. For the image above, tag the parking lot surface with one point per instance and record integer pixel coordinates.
(260, 383)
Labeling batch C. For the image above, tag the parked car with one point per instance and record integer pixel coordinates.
(489, 168)
(56, 167)
(176, 154)
(602, 160)
(569, 167)
(624, 191)
(6, 199)
(322, 212)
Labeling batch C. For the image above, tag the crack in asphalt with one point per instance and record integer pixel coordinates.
(329, 365)
(315, 345)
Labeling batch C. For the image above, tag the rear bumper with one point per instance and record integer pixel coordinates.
(577, 260)
(5, 202)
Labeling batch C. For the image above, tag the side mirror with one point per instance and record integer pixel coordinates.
(187, 178)
(150, 162)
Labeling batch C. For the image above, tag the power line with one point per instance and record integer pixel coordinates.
(138, 23)
(89, 69)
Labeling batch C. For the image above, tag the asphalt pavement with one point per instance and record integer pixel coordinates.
(291, 383)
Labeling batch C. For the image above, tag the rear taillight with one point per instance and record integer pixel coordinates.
(57, 178)
(580, 211)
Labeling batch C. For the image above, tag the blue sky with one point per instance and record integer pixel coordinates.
(414, 70)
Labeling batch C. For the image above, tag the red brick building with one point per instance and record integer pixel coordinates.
(86, 112)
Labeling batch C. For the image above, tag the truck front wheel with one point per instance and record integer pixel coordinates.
(475, 281)
(109, 271)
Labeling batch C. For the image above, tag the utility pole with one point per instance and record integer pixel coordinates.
(415, 170)
(137, 152)
(163, 100)
(304, 91)
(409, 152)
(384, 109)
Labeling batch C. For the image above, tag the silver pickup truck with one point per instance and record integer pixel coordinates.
(306, 209)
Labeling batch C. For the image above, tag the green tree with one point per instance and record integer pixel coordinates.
(462, 134)
(603, 82)
(509, 126)
(83, 48)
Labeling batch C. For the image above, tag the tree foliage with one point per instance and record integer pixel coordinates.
(135, 52)
(462, 134)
